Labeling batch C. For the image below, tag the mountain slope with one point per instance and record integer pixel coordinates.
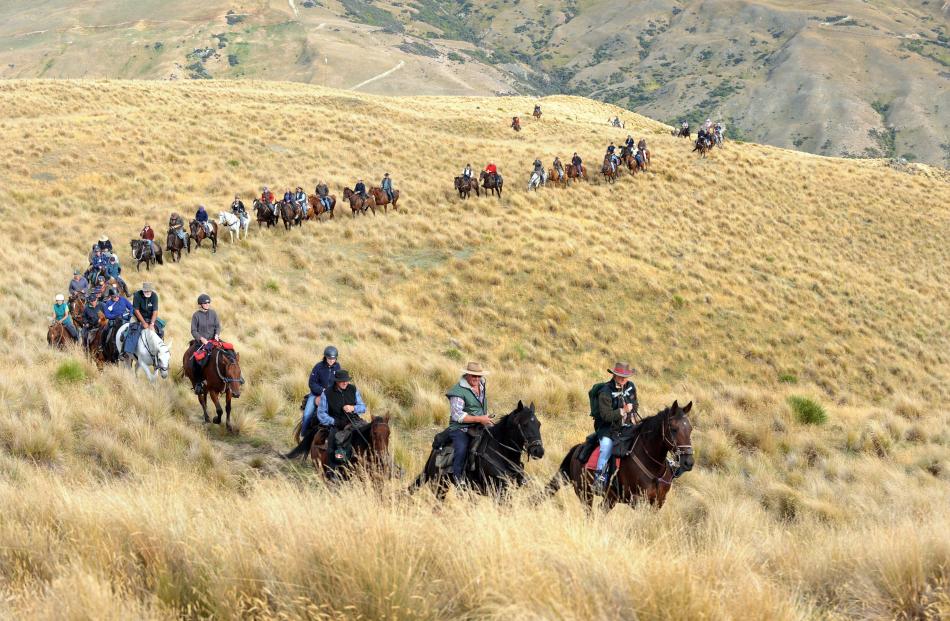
(736, 281)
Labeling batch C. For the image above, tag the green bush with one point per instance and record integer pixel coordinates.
(70, 372)
(787, 378)
(808, 412)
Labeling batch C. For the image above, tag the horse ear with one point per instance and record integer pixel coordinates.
(675, 406)
(689, 406)
(520, 405)
(531, 407)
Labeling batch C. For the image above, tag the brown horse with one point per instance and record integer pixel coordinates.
(630, 162)
(537, 112)
(491, 183)
(198, 233)
(95, 346)
(703, 146)
(142, 254)
(643, 471)
(77, 304)
(221, 374)
(572, 174)
(290, 213)
(58, 336)
(370, 451)
(358, 203)
(610, 175)
(558, 180)
(516, 124)
(465, 186)
(174, 244)
(265, 214)
(317, 208)
(382, 199)
(683, 132)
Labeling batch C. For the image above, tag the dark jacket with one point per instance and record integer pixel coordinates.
(336, 399)
(205, 324)
(90, 316)
(322, 376)
(145, 306)
(360, 189)
(610, 403)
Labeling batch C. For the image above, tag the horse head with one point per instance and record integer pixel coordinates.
(379, 434)
(528, 429)
(677, 434)
(231, 376)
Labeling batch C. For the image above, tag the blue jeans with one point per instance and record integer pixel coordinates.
(132, 338)
(460, 441)
(308, 411)
(68, 324)
(606, 446)
(326, 202)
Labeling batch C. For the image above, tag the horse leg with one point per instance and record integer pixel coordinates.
(217, 406)
(203, 400)
(227, 409)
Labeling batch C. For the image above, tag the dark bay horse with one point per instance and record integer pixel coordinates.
(290, 213)
(221, 374)
(643, 471)
(491, 183)
(317, 208)
(702, 145)
(683, 132)
(572, 174)
(265, 214)
(370, 451)
(610, 175)
(496, 465)
(465, 186)
(198, 233)
(58, 336)
(174, 244)
(142, 254)
(358, 203)
(77, 304)
(382, 199)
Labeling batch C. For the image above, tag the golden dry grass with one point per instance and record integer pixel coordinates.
(737, 281)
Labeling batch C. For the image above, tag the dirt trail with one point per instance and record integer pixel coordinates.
(380, 76)
(293, 7)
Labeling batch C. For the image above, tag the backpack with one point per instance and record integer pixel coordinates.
(594, 395)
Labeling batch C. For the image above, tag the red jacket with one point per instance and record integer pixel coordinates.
(491, 168)
(267, 197)
(147, 233)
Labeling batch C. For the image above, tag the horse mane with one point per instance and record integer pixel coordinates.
(652, 424)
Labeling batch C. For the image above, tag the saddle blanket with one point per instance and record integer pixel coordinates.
(592, 461)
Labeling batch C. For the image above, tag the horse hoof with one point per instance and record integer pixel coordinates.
(217, 420)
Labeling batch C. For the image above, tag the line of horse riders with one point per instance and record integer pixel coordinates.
(626, 459)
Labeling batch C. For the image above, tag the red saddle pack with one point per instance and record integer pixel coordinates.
(592, 461)
(222, 345)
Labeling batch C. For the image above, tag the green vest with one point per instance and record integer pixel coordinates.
(472, 407)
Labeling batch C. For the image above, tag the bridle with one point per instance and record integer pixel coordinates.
(226, 380)
(678, 449)
(156, 362)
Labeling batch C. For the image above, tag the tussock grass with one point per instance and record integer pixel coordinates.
(713, 278)
(807, 411)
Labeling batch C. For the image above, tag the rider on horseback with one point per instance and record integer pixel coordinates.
(201, 216)
(238, 209)
(118, 311)
(205, 328)
(616, 406)
(177, 226)
(104, 244)
(340, 409)
(321, 378)
(100, 290)
(78, 285)
(99, 260)
(61, 315)
(145, 309)
(539, 172)
(300, 199)
(114, 271)
(629, 142)
(148, 234)
(558, 168)
(267, 197)
(90, 318)
(360, 188)
(577, 163)
(387, 186)
(612, 157)
(467, 172)
(467, 409)
(323, 193)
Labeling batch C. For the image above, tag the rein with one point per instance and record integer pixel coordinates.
(217, 367)
(678, 449)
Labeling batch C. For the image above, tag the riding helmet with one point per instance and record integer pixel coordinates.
(111, 292)
(204, 298)
(330, 352)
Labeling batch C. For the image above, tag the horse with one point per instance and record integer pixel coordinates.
(199, 233)
(221, 374)
(291, 214)
(370, 443)
(717, 138)
(152, 354)
(491, 182)
(608, 171)
(536, 181)
(683, 132)
(142, 253)
(317, 208)
(58, 336)
(559, 180)
(235, 224)
(516, 124)
(537, 112)
(77, 304)
(174, 245)
(630, 162)
(643, 470)
(703, 145)
(265, 214)
(382, 199)
(358, 203)
(495, 463)
(645, 154)
(95, 345)
(572, 174)
(465, 185)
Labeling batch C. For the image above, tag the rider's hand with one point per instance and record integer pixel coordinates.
(349, 409)
(204, 341)
(627, 407)
(487, 421)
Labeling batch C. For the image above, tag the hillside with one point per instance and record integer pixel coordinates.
(859, 79)
(737, 281)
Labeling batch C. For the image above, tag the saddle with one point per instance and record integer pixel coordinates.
(623, 444)
(445, 452)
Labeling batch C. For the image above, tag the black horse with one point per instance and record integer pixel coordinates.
(142, 253)
(266, 216)
(496, 462)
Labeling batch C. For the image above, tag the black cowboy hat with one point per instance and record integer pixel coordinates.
(342, 376)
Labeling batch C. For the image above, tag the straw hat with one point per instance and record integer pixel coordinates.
(474, 368)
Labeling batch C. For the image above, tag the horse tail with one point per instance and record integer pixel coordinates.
(562, 475)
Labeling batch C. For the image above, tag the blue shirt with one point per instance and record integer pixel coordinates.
(116, 309)
(322, 376)
(387, 183)
(327, 421)
(201, 215)
(99, 261)
(113, 270)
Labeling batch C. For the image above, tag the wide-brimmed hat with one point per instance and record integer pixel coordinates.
(146, 287)
(621, 369)
(77, 272)
(103, 239)
(474, 368)
(342, 376)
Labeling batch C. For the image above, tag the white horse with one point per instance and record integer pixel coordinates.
(152, 353)
(234, 224)
(537, 180)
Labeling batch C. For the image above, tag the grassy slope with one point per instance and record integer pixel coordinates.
(714, 277)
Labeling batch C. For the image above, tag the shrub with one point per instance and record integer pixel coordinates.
(807, 412)
(787, 378)
(70, 372)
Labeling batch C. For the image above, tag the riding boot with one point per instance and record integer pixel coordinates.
(600, 483)
(199, 384)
